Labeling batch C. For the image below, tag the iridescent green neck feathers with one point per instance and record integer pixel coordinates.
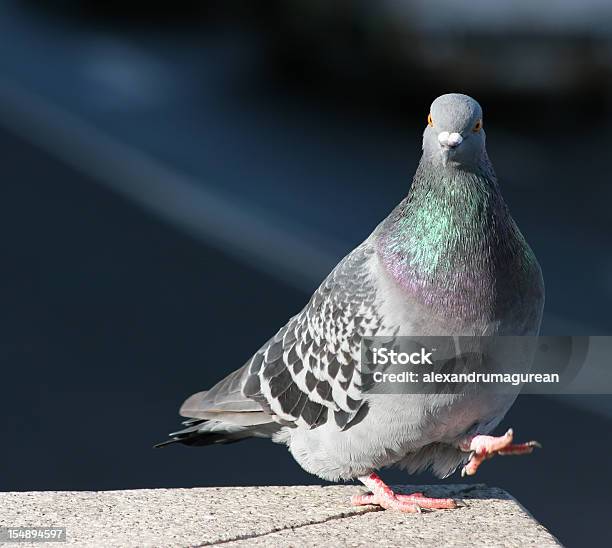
(452, 240)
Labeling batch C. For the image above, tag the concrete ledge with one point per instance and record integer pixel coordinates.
(271, 516)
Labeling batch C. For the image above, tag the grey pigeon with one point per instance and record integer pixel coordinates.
(448, 260)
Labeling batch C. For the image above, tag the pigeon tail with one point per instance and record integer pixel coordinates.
(199, 432)
(223, 415)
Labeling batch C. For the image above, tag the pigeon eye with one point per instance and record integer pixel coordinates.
(477, 127)
(429, 120)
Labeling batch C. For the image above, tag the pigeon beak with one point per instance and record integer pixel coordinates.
(450, 140)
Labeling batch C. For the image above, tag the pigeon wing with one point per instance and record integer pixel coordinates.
(309, 371)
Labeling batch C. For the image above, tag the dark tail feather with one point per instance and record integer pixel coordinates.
(223, 414)
(209, 432)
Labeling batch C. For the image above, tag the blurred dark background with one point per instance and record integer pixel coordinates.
(176, 181)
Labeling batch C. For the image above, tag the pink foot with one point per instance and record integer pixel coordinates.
(382, 495)
(485, 447)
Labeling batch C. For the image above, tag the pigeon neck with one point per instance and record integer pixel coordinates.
(449, 239)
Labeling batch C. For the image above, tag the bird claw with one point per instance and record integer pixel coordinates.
(464, 471)
(383, 496)
(485, 447)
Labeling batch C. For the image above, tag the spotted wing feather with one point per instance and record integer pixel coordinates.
(309, 371)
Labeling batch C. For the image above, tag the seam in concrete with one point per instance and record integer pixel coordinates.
(274, 516)
(343, 515)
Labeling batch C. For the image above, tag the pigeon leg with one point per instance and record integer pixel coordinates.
(382, 495)
(485, 447)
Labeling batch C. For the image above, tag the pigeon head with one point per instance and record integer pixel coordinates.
(454, 136)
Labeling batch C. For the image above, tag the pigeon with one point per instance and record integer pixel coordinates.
(448, 260)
